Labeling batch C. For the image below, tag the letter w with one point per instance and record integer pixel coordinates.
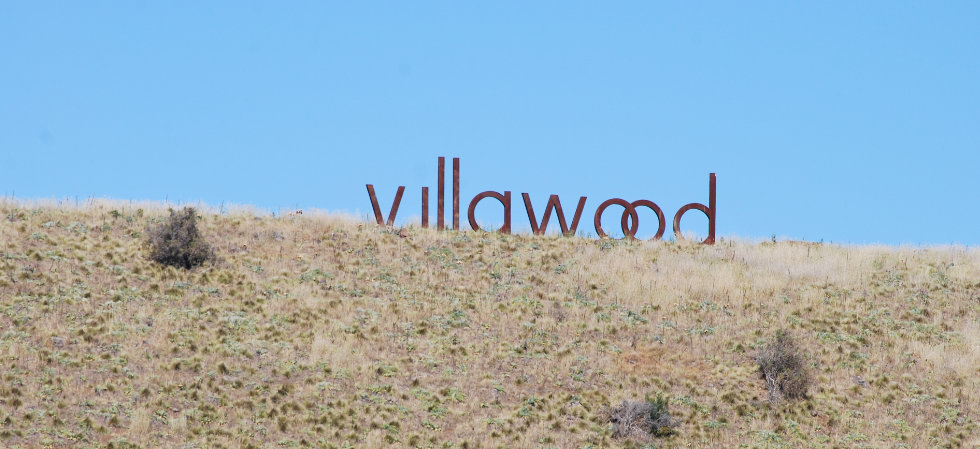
(553, 203)
(377, 209)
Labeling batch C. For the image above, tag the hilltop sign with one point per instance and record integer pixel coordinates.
(630, 221)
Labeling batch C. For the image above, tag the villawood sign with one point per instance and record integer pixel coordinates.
(630, 220)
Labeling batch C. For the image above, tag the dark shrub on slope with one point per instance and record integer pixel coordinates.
(177, 241)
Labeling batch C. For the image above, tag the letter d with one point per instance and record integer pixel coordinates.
(709, 210)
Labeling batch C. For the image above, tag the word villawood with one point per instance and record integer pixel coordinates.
(630, 220)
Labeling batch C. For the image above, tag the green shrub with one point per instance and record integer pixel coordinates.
(177, 241)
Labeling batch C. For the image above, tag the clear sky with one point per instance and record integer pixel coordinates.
(849, 122)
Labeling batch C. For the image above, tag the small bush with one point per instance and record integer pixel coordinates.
(641, 418)
(783, 368)
(177, 242)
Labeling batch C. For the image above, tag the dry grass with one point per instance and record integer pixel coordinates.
(321, 331)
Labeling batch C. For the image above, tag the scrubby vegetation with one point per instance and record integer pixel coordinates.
(318, 331)
(638, 419)
(177, 242)
(783, 368)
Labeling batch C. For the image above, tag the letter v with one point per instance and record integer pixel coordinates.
(394, 205)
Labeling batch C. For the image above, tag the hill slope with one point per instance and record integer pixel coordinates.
(325, 332)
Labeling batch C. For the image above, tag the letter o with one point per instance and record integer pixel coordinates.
(656, 209)
(629, 211)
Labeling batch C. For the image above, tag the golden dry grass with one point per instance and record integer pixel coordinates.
(321, 331)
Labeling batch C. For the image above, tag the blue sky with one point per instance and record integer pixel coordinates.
(849, 122)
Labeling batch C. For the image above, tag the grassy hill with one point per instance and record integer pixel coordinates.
(320, 331)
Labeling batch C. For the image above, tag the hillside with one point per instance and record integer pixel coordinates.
(321, 331)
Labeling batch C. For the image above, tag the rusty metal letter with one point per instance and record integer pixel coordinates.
(456, 193)
(710, 210)
(425, 207)
(553, 203)
(504, 199)
(441, 210)
(656, 209)
(630, 210)
(377, 208)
